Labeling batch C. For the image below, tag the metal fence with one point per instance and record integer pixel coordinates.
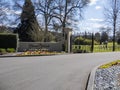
(97, 48)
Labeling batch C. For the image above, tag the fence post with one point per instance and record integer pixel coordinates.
(92, 45)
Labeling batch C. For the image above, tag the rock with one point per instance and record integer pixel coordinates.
(107, 79)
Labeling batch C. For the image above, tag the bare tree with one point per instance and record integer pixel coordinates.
(112, 14)
(4, 6)
(67, 9)
(45, 8)
(66, 12)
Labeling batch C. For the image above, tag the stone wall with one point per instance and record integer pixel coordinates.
(51, 46)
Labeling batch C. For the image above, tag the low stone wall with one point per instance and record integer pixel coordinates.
(51, 46)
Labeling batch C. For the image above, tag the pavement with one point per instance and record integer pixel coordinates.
(59, 72)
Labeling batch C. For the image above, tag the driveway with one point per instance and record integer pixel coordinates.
(60, 72)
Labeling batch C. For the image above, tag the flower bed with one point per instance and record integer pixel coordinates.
(37, 53)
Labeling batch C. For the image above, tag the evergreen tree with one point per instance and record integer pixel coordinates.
(28, 22)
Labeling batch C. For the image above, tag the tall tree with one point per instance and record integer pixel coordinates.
(4, 6)
(104, 36)
(112, 14)
(67, 10)
(28, 22)
(97, 37)
(45, 8)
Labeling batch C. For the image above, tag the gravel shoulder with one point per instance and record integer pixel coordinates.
(105, 77)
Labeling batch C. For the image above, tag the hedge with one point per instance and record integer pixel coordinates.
(82, 41)
(8, 41)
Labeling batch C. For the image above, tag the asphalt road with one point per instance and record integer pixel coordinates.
(60, 72)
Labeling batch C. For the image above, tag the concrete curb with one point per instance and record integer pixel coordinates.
(91, 79)
(7, 56)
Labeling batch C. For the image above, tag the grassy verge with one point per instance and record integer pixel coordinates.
(97, 48)
(110, 64)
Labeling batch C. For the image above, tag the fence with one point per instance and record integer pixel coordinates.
(97, 48)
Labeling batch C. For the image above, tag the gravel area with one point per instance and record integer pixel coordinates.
(107, 79)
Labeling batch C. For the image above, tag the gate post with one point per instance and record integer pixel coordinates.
(68, 31)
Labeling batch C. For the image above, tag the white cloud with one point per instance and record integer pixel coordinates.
(93, 2)
(96, 19)
(9, 11)
(91, 25)
(98, 7)
(97, 25)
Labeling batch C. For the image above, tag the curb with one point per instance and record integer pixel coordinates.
(7, 56)
(91, 78)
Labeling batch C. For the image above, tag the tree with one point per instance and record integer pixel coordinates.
(4, 29)
(66, 10)
(104, 37)
(97, 37)
(45, 8)
(112, 14)
(4, 6)
(28, 22)
(36, 35)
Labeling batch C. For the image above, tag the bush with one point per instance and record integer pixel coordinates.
(82, 41)
(8, 41)
(10, 50)
(79, 41)
(118, 41)
(2, 51)
(87, 42)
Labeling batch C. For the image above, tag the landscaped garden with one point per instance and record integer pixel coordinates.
(38, 53)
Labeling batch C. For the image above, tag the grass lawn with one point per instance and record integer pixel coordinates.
(97, 48)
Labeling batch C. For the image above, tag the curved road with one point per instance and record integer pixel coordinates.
(60, 72)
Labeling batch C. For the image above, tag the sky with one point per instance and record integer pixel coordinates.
(93, 16)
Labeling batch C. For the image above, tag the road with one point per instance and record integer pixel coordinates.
(60, 72)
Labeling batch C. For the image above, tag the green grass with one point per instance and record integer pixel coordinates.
(97, 48)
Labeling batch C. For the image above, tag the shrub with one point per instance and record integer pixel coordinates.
(8, 41)
(87, 42)
(2, 51)
(82, 41)
(10, 50)
(118, 41)
(79, 41)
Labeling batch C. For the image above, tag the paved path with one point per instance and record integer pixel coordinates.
(62, 72)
